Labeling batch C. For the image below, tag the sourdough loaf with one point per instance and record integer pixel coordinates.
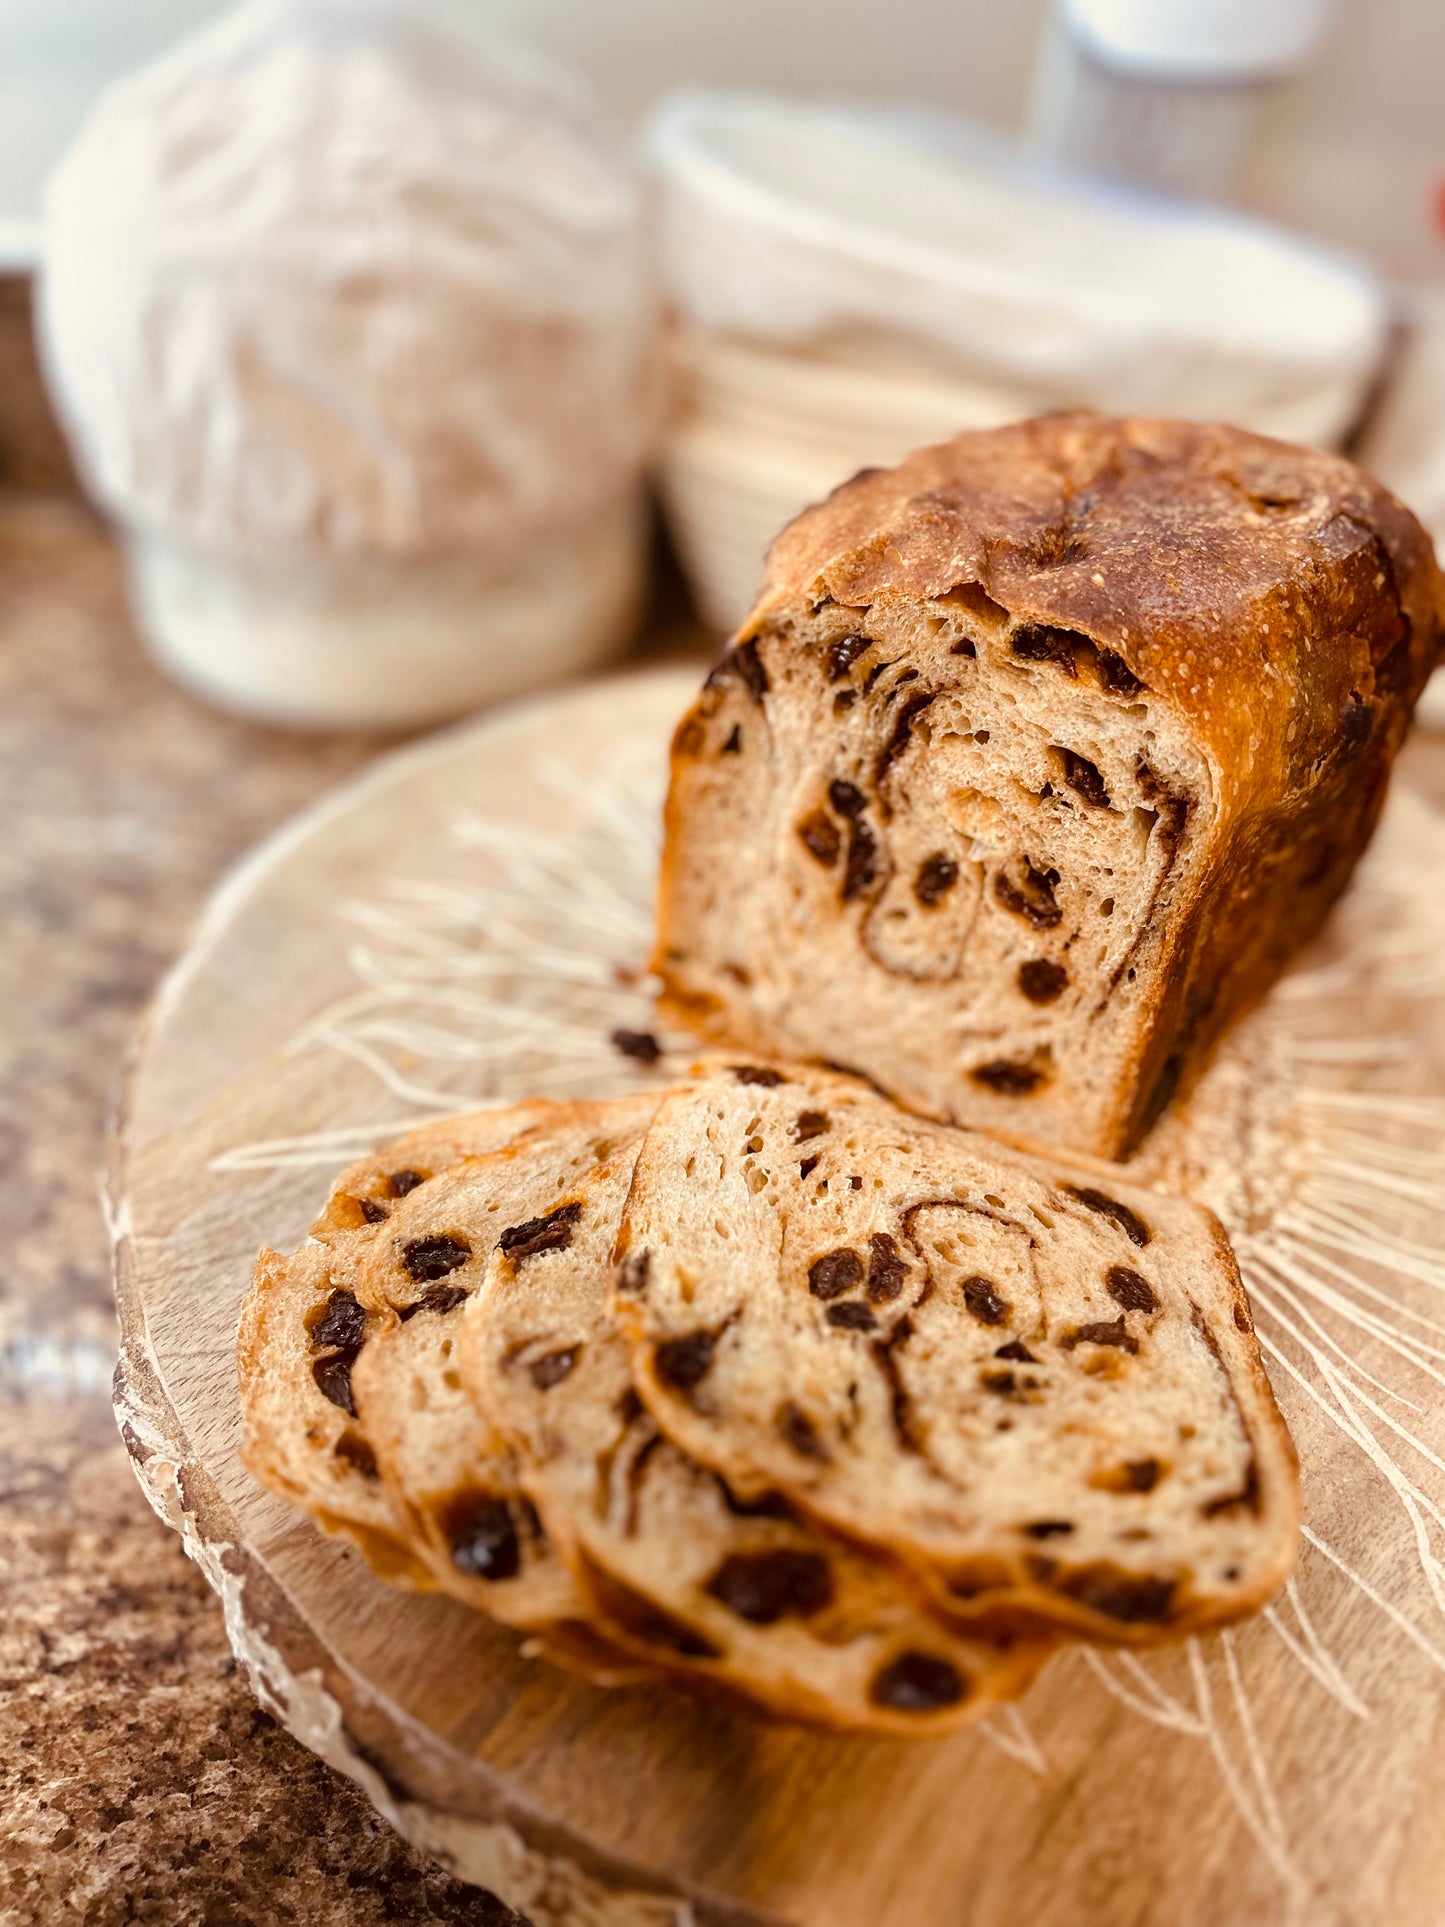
(1035, 758)
(1034, 1383)
(746, 1595)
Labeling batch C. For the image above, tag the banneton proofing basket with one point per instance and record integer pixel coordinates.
(850, 282)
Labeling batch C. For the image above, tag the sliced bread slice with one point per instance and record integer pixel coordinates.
(452, 1481)
(747, 1596)
(1034, 1382)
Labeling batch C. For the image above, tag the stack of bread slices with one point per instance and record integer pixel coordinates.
(760, 1383)
(1036, 758)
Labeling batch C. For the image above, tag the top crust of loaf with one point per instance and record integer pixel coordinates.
(1174, 544)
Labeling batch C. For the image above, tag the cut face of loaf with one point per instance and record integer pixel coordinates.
(1036, 1385)
(1035, 759)
(452, 1478)
(678, 1570)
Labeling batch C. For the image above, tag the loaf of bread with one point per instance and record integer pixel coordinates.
(1035, 1384)
(1034, 760)
(743, 1595)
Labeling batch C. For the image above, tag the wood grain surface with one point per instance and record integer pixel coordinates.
(467, 924)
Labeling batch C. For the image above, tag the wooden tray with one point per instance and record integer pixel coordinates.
(468, 923)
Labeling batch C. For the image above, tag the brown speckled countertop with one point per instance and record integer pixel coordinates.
(139, 1780)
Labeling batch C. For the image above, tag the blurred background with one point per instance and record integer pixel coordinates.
(1350, 150)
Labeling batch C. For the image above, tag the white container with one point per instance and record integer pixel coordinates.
(350, 318)
(850, 281)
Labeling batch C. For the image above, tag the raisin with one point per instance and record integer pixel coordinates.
(342, 1324)
(1120, 1595)
(640, 1044)
(745, 663)
(1085, 778)
(810, 1124)
(553, 1367)
(937, 875)
(1112, 1332)
(333, 1378)
(847, 799)
(428, 1258)
(550, 1233)
(983, 1301)
(1142, 1475)
(1129, 1222)
(862, 867)
(1008, 1076)
(684, 1362)
(764, 1587)
(800, 1432)
(1032, 899)
(834, 1273)
(439, 1298)
(1131, 1290)
(902, 730)
(809, 1166)
(353, 1449)
(1042, 980)
(734, 742)
(403, 1182)
(1356, 721)
(1116, 676)
(632, 1273)
(483, 1537)
(1018, 1351)
(372, 1210)
(842, 654)
(759, 1074)
(918, 1683)
(821, 838)
(851, 1316)
(886, 1270)
(1036, 642)
(1048, 1528)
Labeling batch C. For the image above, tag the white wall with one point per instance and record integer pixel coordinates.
(1351, 151)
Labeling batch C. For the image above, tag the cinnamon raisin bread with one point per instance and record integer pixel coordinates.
(303, 1327)
(1035, 758)
(451, 1478)
(679, 1570)
(1036, 1384)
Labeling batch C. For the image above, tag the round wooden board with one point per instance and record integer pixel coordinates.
(467, 923)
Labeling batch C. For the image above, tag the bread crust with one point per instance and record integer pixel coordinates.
(1280, 602)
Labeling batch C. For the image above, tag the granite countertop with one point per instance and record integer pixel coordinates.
(139, 1780)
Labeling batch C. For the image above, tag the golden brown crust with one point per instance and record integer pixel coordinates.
(1175, 544)
(1278, 599)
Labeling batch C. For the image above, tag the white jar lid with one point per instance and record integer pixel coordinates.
(1200, 40)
